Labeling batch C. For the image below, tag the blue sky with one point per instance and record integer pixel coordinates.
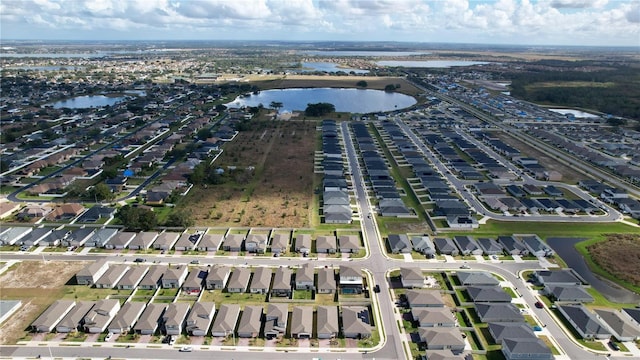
(535, 22)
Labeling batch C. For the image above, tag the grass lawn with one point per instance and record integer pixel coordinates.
(233, 298)
(372, 341)
(303, 295)
(79, 292)
(549, 344)
(546, 229)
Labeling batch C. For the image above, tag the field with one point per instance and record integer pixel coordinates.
(277, 193)
(313, 81)
(37, 284)
(618, 255)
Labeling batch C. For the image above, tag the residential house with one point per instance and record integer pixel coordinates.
(282, 282)
(498, 312)
(34, 237)
(305, 277)
(356, 322)
(174, 316)
(173, 277)
(101, 237)
(490, 246)
(165, 240)
(622, 328)
(132, 278)
(571, 293)
(226, 320)
(218, 277)
(210, 242)
(239, 280)
(92, 272)
(440, 338)
(48, 320)
(446, 246)
(261, 280)
(100, 316)
(275, 320)
(233, 242)
(143, 240)
(148, 321)
(411, 278)
(151, 280)
(536, 246)
(424, 298)
(200, 318)
(326, 281)
(350, 244)
(350, 280)
(433, 316)
(112, 276)
(586, 324)
(11, 235)
(493, 294)
(185, 242)
(193, 283)
(326, 245)
(531, 348)
(78, 237)
(424, 245)
(513, 246)
(120, 241)
(279, 244)
(303, 243)
(399, 244)
(467, 245)
(65, 212)
(249, 326)
(556, 278)
(127, 316)
(327, 322)
(476, 278)
(514, 330)
(97, 213)
(302, 322)
(73, 320)
(256, 243)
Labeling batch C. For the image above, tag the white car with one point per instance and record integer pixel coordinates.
(186, 349)
(108, 337)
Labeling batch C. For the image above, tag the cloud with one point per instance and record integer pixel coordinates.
(578, 4)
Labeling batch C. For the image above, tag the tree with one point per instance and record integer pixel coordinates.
(390, 88)
(180, 218)
(319, 109)
(137, 218)
(102, 192)
(276, 105)
(220, 108)
(362, 84)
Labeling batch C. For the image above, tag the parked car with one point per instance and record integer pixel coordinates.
(139, 260)
(539, 305)
(186, 349)
(376, 288)
(614, 346)
(195, 261)
(108, 337)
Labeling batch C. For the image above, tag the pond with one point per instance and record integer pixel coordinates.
(328, 67)
(87, 101)
(364, 53)
(565, 248)
(438, 64)
(345, 100)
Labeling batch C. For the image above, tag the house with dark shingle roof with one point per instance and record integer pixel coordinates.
(411, 277)
(526, 348)
(399, 244)
(441, 338)
(476, 278)
(572, 293)
(621, 327)
(424, 245)
(467, 245)
(584, 322)
(446, 246)
(499, 331)
(493, 294)
(498, 312)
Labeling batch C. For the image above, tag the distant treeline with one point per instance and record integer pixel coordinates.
(615, 91)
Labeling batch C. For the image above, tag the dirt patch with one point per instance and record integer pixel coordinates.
(619, 255)
(26, 282)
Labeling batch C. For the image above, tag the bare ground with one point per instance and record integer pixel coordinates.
(37, 284)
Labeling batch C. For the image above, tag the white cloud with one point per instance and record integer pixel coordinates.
(578, 4)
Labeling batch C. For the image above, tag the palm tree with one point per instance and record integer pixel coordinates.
(276, 105)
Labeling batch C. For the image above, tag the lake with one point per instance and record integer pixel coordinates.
(439, 64)
(328, 67)
(365, 53)
(88, 101)
(574, 112)
(345, 100)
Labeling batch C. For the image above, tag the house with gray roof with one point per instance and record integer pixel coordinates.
(73, 320)
(446, 246)
(303, 243)
(632, 314)
(120, 241)
(584, 322)
(143, 240)
(151, 280)
(572, 293)
(226, 320)
(100, 315)
(275, 320)
(249, 326)
(132, 277)
(112, 276)
(411, 277)
(78, 237)
(475, 278)
(513, 246)
(101, 237)
(173, 277)
(356, 322)
(350, 280)
(499, 331)
(621, 327)
(281, 286)
(165, 240)
(261, 280)
(441, 338)
(256, 243)
(13, 234)
(442, 355)
(424, 298)
(564, 277)
(174, 316)
(305, 277)
(239, 280)
(34, 237)
(326, 281)
(233, 242)
(128, 314)
(431, 317)
(467, 245)
(218, 277)
(490, 246)
(279, 243)
(92, 272)
(200, 318)
(149, 320)
(424, 245)
(302, 322)
(186, 242)
(326, 244)
(209, 242)
(327, 322)
(349, 243)
(536, 246)
(399, 244)
(526, 348)
(498, 312)
(493, 294)
(195, 280)
(48, 320)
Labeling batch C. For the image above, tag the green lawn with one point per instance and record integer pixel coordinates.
(546, 229)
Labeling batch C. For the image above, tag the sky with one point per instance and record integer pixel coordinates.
(527, 22)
